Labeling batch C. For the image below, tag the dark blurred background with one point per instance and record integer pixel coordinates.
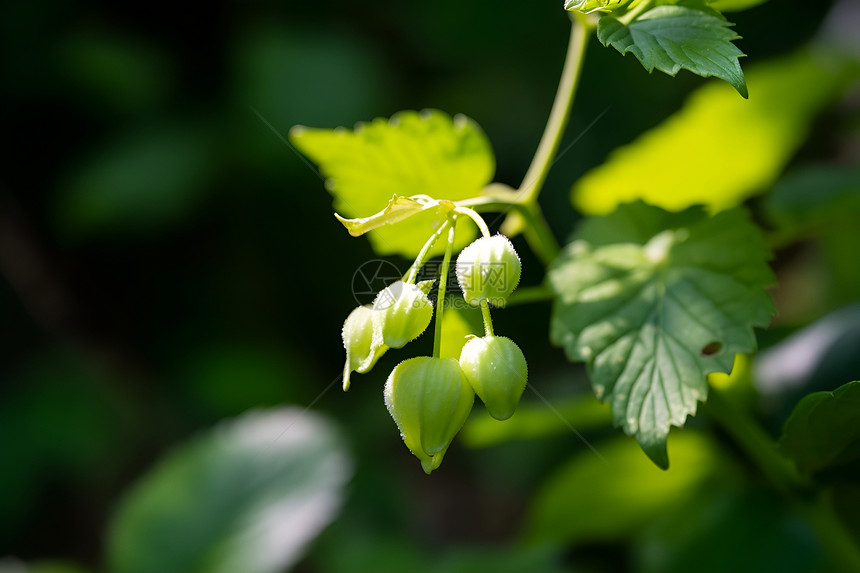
(169, 262)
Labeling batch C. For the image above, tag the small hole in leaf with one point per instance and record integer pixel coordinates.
(711, 348)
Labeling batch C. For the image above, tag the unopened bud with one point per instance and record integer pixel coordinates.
(429, 399)
(401, 313)
(488, 269)
(362, 351)
(497, 370)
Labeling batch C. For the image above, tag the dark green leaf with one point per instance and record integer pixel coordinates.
(653, 301)
(814, 195)
(730, 528)
(245, 497)
(824, 429)
(669, 38)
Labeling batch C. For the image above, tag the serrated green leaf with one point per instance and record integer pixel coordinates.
(824, 429)
(719, 149)
(426, 153)
(654, 301)
(671, 38)
(223, 502)
(592, 499)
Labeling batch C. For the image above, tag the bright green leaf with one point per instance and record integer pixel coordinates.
(824, 429)
(426, 153)
(589, 6)
(594, 499)
(654, 301)
(719, 149)
(246, 497)
(397, 210)
(671, 38)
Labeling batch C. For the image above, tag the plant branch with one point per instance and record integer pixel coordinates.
(475, 217)
(760, 448)
(813, 506)
(422, 254)
(538, 234)
(443, 286)
(527, 295)
(632, 14)
(536, 175)
(488, 320)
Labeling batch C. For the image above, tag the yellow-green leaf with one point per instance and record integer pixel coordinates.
(719, 149)
(427, 153)
(398, 209)
(593, 498)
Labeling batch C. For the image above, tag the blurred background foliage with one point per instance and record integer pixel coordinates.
(170, 265)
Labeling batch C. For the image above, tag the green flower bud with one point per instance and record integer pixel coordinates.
(488, 269)
(497, 370)
(429, 399)
(362, 350)
(401, 312)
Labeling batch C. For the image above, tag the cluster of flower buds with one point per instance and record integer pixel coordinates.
(431, 397)
(400, 313)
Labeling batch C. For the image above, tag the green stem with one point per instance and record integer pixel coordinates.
(756, 443)
(536, 175)
(422, 254)
(538, 234)
(485, 231)
(836, 540)
(527, 295)
(537, 231)
(631, 15)
(443, 285)
(488, 320)
(762, 451)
